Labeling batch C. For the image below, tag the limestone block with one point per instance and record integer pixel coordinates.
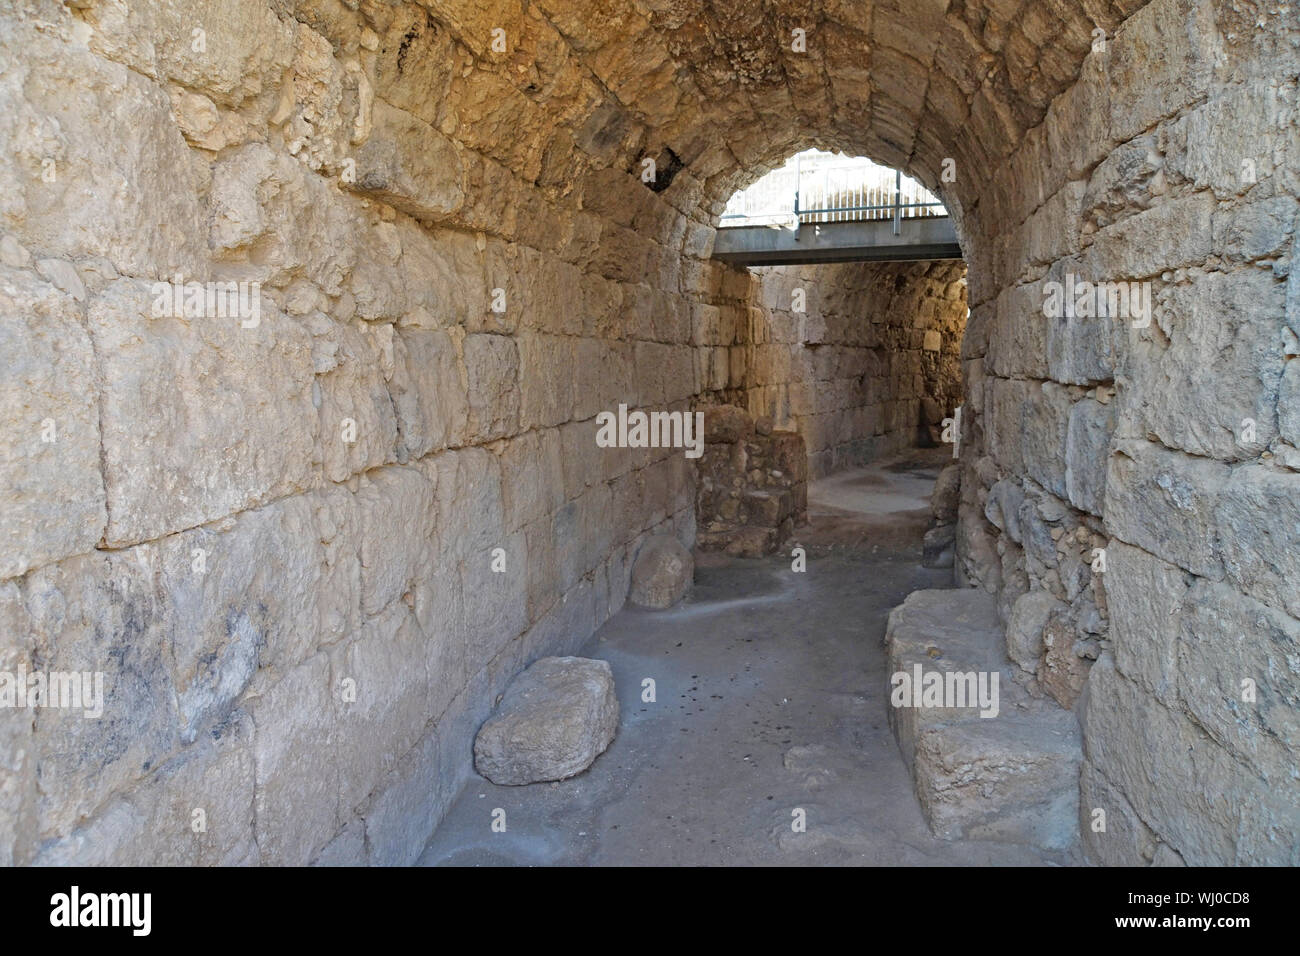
(295, 747)
(386, 713)
(415, 63)
(555, 719)
(300, 223)
(726, 424)
(413, 798)
(1258, 520)
(1029, 618)
(1011, 777)
(347, 848)
(469, 488)
(532, 477)
(358, 420)
(583, 461)
(397, 533)
(663, 573)
(70, 119)
(153, 825)
(1230, 322)
(411, 166)
(1126, 840)
(1002, 507)
(1067, 658)
(495, 590)
(239, 600)
(1087, 448)
(1127, 181)
(378, 289)
(1198, 151)
(1224, 639)
(1161, 60)
(430, 392)
(1164, 502)
(1146, 598)
(1044, 426)
(1173, 234)
(603, 373)
(102, 613)
(247, 47)
(1005, 400)
(338, 600)
(937, 548)
(1288, 404)
(1178, 779)
(172, 460)
(492, 371)
(1255, 230)
(444, 276)
(53, 492)
(546, 388)
(1082, 350)
(318, 122)
(18, 757)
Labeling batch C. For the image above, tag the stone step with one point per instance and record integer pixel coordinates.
(1012, 777)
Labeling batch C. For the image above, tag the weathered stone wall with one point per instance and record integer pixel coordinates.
(860, 358)
(278, 539)
(245, 527)
(1172, 446)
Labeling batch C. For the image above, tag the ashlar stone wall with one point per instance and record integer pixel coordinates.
(277, 541)
(306, 551)
(1130, 489)
(862, 359)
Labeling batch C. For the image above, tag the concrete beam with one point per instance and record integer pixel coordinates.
(871, 240)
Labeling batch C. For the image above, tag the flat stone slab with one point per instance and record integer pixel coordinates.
(1011, 777)
(555, 719)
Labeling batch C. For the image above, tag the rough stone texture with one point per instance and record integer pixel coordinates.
(1009, 777)
(50, 471)
(459, 268)
(555, 719)
(662, 573)
(939, 548)
(851, 371)
(753, 484)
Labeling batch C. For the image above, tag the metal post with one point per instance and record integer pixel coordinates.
(798, 181)
(898, 212)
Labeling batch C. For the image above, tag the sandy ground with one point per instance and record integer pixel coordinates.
(770, 697)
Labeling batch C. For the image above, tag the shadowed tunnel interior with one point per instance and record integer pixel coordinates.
(310, 545)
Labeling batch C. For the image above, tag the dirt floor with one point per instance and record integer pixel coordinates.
(770, 698)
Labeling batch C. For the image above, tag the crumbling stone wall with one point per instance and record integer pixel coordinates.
(278, 540)
(752, 484)
(862, 359)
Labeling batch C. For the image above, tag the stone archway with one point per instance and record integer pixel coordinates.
(459, 266)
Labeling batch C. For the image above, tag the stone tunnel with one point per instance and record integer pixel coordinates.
(310, 307)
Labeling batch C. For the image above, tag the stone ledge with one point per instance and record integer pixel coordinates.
(1011, 777)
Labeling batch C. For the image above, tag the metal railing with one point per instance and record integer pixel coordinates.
(832, 191)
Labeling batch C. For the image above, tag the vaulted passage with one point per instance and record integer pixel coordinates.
(312, 316)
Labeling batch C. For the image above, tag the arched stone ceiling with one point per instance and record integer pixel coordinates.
(905, 82)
